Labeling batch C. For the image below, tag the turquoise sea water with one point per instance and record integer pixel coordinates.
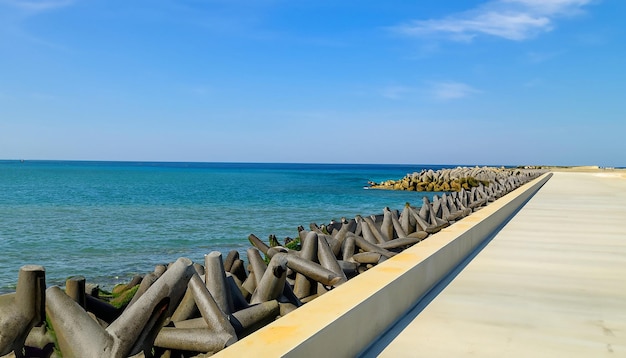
(110, 220)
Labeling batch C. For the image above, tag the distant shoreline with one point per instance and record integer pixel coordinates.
(584, 169)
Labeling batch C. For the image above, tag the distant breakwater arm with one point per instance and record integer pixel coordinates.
(455, 179)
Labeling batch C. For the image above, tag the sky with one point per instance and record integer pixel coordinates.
(496, 82)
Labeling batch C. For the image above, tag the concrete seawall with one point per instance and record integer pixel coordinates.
(346, 320)
(550, 283)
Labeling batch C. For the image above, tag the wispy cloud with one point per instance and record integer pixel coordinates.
(42, 96)
(515, 20)
(448, 90)
(540, 57)
(395, 92)
(14, 13)
(437, 90)
(199, 90)
(535, 82)
(37, 6)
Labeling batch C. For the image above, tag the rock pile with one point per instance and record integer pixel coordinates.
(188, 309)
(444, 180)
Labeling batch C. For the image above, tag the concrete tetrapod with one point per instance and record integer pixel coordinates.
(258, 243)
(366, 231)
(397, 226)
(312, 270)
(79, 335)
(75, 289)
(186, 308)
(367, 246)
(367, 257)
(251, 319)
(400, 242)
(22, 310)
(303, 284)
(215, 280)
(387, 226)
(374, 230)
(250, 283)
(348, 248)
(328, 260)
(244, 321)
(237, 292)
(405, 220)
(238, 270)
(102, 310)
(230, 259)
(272, 283)
(147, 281)
(192, 339)
(215, 318)
(258, 266)
(340, 235)
(334, 244)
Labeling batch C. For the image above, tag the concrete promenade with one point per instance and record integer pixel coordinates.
(550, 283)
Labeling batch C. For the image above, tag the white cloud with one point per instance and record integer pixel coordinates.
(447, 90)
(515, 20)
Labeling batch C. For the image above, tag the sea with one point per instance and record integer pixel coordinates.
(109, 221)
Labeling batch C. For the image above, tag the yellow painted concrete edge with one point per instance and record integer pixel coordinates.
(347, 319)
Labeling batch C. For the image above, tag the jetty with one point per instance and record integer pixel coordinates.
(540, 271)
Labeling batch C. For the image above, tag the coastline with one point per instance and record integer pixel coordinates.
(377, 237)
(110, 220)
(96, 243)
(584, 169)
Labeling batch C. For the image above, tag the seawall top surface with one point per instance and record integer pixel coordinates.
(346, 320)
(551, 283)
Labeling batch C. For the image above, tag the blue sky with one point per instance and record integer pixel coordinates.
(433, 82)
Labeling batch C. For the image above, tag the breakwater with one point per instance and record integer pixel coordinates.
(190, 307)
(453, 179)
